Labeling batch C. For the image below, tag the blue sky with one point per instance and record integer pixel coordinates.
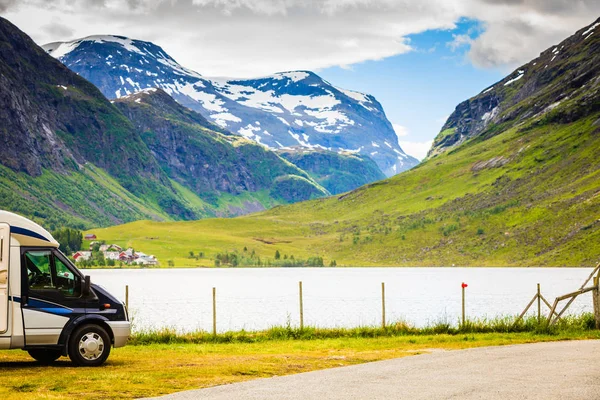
(419, 89)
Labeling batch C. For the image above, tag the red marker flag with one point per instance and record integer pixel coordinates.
(464, 285)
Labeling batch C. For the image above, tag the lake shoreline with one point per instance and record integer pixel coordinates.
(134, 268)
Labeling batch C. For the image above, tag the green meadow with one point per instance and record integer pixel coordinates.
(526, 197)
(161, 362)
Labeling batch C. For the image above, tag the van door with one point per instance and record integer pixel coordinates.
(4, 251)
(51, 295)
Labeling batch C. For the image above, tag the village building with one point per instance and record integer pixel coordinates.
(111, 255)
(109, 247)
(146, 260)
(82, 255)
(116, 253)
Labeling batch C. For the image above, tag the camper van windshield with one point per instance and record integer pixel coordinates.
(46, 271)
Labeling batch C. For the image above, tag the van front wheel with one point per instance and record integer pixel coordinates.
(89, 346)
(45, 356)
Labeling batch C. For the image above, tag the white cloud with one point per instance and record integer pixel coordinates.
(400, 130)
(413, 148)
(258, 37)
(416, 149)
(459, 41)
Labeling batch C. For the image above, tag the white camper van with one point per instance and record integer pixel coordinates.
(47, 306)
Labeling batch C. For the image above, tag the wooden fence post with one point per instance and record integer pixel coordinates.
(127, 297)
(596, 300)
(301, 306)
(383, 305)
(463, 286)
(539, 300)
(214, 293)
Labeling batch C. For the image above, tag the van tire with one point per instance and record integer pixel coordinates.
(45, 356)
(89, 346)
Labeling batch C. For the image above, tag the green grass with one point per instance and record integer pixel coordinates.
(509, 324)
(157, 369)
(80, 198)
(539, 209)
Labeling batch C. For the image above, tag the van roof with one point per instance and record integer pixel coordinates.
(27, 232)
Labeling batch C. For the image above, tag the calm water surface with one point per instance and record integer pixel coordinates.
(255, 299)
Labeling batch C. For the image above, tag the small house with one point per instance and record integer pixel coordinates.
(112, 255)
(125, 256)
(146, 260)
(82, 255)
(90, 236)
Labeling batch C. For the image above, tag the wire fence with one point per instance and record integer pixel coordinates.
(213, 311)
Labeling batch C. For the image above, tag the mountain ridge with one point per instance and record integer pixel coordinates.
(68, 156)
(205, 160)
(287, 109)
(55, 120)
(538, 80)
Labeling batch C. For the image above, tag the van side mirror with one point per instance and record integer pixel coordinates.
(86, 285)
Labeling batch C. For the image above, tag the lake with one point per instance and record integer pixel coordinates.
(254, 299)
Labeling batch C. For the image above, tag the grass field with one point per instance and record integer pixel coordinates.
(539, 206)
(152, 370)
(160, 362)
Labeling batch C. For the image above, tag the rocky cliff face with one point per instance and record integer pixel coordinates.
(287, 109)
(204, 160)
(52, 119)
(566, 73)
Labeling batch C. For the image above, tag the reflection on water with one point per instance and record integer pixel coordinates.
(254, 299)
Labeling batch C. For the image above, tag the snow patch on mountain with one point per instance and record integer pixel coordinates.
(519, 76)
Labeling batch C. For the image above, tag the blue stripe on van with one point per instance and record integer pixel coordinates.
(43, 306)
(26, 232)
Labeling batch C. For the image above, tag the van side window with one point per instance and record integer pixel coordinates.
(39, 274)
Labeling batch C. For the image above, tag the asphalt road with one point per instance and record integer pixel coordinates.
(559, 370)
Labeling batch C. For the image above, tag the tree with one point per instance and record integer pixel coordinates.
(277, 255)
(70, 240)
(191, 254)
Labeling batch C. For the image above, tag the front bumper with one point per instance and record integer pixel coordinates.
(121, 332)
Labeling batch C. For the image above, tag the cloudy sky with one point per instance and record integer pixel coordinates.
(418, 57)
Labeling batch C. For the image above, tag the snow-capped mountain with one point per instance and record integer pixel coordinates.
(281, 110)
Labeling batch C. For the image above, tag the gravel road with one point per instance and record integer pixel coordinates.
(559, 370)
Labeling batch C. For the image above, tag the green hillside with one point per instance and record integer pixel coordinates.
(338, 173)
(529, 196)
(68, 156)
(230, 175)
(519, 186)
